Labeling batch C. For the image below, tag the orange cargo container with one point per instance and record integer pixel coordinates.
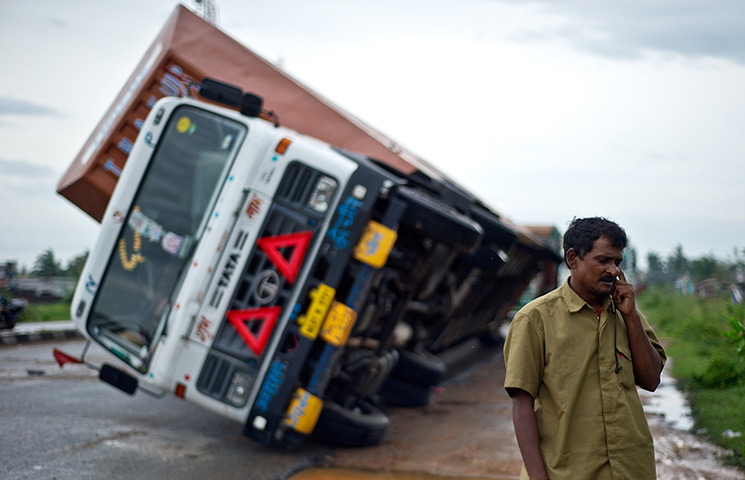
(186, 50)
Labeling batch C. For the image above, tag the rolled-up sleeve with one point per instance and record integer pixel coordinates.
(524, 355)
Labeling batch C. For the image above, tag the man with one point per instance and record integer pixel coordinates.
(574, 357)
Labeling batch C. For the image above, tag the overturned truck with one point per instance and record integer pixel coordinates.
(269, 257)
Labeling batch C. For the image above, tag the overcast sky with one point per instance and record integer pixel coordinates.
(633, 109)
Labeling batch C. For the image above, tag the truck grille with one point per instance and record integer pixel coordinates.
(260, 284)
(297, 185)
(216, 374)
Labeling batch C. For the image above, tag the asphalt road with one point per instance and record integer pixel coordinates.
(66, 424)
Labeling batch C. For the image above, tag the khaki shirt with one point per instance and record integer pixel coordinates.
(590, 419)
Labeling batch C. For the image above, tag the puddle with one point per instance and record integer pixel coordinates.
(669, 403)
(347, 474)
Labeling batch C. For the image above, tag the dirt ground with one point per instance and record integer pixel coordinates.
(467, 432)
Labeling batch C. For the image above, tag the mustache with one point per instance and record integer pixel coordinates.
(607, 278)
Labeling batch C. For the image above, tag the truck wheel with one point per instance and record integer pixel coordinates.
(403, 394)
(362, 425)
(438, 221)
(419, 367)
(495, 231)
(292, 439)
(486, 259)
(490, 337)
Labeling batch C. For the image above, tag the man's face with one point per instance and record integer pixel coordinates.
(593, 276)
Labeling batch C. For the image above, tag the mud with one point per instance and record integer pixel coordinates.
(347, 474)
(467, 433)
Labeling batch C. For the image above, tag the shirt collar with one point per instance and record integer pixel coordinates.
(574, 302)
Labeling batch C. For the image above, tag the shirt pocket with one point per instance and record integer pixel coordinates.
(626, 372)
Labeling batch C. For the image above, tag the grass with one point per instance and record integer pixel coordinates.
(706, 363)
(44, 312)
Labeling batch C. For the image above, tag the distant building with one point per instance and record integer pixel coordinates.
(7, 274)
(34, 289)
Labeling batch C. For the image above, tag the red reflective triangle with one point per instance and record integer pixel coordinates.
(239, 318)
(63, 358)
(271, 245)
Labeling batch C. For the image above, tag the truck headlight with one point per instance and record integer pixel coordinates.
(239, 388)
(323, 192)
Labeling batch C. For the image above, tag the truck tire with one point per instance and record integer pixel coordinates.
(485, 258)
(403, 394)
(495, 231)
(490, 336)
(419, 367)
(362, 425)
(436, 220)
(292, 439)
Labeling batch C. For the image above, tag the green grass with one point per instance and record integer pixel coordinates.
(44, 312)
(705, 362)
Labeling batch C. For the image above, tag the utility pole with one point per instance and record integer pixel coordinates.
(209, 10)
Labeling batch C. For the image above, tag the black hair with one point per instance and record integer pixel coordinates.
(583, 232)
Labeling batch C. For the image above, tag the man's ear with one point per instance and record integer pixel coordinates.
(571, 258)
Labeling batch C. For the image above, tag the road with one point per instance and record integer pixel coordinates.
(66, 424)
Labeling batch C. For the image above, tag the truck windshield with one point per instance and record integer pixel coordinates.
(161, 230)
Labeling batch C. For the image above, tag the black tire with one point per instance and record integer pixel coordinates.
(486, 259)
(495, 231)
(490, 337)
(403, 394)
(438, 221)
(363, 425)
(292, 439)
(419, 368)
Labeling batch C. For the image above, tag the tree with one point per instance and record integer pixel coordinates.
(705, 267)
(655, 268)
(75, 265)
(677, 263)
(629, 261)
(46, 265)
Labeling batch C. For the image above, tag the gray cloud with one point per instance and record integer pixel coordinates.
(14, 106)
(628, 28)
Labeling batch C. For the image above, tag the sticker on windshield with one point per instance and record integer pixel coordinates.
(151, 230)
(183, 125)
(172, 243)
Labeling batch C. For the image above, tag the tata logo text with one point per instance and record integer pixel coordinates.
(274, 378)
(228, 270)
(223, 280)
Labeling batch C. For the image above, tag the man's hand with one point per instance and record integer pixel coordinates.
(623, 295)
(646, 360)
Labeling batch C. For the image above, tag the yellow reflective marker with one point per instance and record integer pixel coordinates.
(304, 411)
(338, 324)
(311, 322)
(375, 245)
